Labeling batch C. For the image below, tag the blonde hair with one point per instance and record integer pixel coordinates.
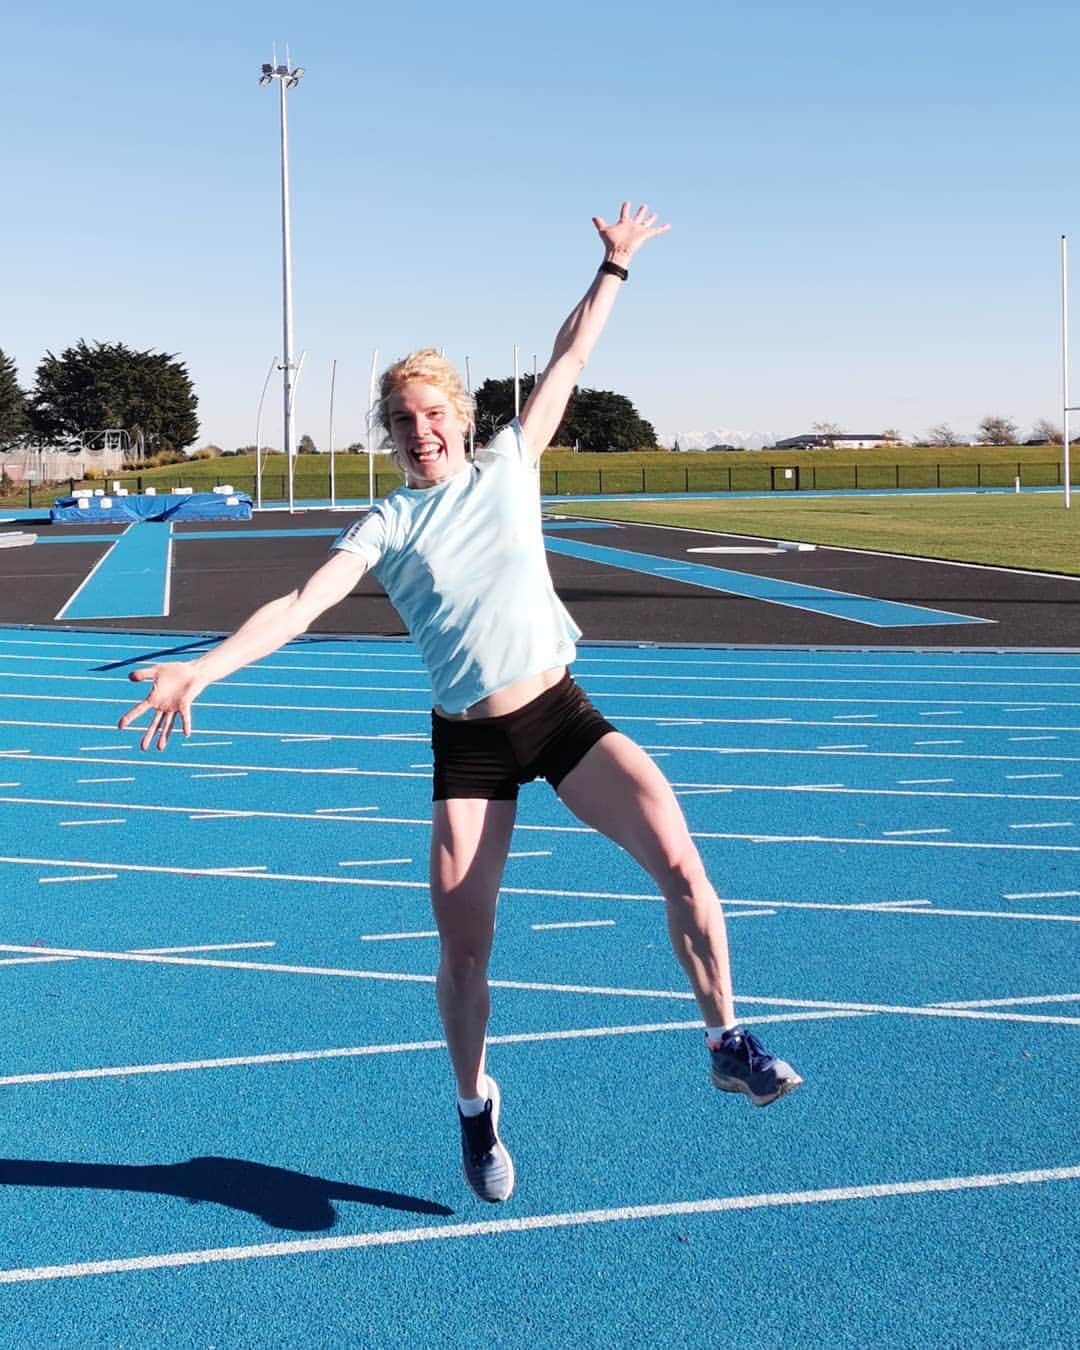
(427, 367)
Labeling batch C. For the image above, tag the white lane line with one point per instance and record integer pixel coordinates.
(421, 766)
(1032, 738)
(193, 744)
(747, 913)
(115, 820)
(532, 986)
(88, 748)
(210, 947)
(854, 717)
(901, 833)
(949, 712)
(341, 810)
(537, 1223)
(89, 876)
(899, 904)
(937, 742)
(860, 746)
(912, 782)
(530, 853)
(91, 780)
(1018, 776)
(375, 862)
(1027, 707)
(408, 1047)
(296, 740)
(1013, 1002)
(250, 873)
(702, 791)
(222, 773)
(398, 937)
(1041, 895)
(35, 960)
(1044, 825)
(12, 785)
(212, 814)
(578, 923)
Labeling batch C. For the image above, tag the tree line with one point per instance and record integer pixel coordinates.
(98, 386)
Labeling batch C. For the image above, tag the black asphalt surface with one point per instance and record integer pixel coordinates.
(217, 583)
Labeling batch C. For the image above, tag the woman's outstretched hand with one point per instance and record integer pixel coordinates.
(175, 687)
(625, 236)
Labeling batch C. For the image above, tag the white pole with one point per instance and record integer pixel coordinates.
(517, 383)
(333, 485)
(258, 436)
(286, 300)
(472, 424)
(1065, 367)
(371, 427)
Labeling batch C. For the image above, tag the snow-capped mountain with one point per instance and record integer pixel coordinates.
(701, 440)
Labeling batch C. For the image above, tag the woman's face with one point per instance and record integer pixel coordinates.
(428, 433)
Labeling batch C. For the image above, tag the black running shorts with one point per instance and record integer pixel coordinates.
(490, 757)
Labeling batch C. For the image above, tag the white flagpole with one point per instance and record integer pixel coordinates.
(1065, 368)
(258, 436)
(517, 383)
(371, 428)
(333, 483)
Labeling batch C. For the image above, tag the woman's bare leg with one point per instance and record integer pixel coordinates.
(469, 842)
(618, 790)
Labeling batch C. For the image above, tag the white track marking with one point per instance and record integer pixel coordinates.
(91, 780)
(1041, 895)
(576, 923)
(341, 810)
(88, 876)
(35, 960)
(1032, 738)
(1018, 776)
(901, 833)
(212, 947)
(398, 937)
(860, 746)
(538, 1223)
(88, 748)
(1012, 1002)
(376, 862)
(533, 986)
(252, 875)
(407, 1047)
(912, 782)
(115, 820)
(1044, 825)
(530, 853)
(222, 773)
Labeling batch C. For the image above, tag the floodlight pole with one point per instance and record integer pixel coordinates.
(287, 79)
(333, 481)
(517, 382)
(1066, 409)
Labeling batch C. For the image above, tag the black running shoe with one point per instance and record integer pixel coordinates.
(488, 1167)
(740, 1063)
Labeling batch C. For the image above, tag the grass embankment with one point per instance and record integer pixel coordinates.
(565, 473)
(1029, 531)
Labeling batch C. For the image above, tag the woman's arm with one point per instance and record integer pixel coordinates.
(176, 685)
(575, 340)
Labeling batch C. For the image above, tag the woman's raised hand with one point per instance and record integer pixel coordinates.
(626, 235)
(175, 687)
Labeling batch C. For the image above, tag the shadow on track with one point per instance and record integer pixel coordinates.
(281, 1198)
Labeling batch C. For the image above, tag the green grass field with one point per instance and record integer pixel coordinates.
(1031, 530)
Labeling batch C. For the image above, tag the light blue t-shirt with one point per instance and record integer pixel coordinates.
(464, 565)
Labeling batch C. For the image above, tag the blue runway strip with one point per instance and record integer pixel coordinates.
(839, 604)
(131, 579)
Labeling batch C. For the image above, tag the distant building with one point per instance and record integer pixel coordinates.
(840, 440)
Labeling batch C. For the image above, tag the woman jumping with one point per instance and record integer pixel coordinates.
(459, 550)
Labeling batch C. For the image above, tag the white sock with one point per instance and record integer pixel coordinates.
(714, 1034)
(473, 1106)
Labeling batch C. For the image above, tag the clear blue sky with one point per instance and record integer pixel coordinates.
(865, 199)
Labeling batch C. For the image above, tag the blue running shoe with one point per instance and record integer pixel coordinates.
(488, 1167)
(740, 1063)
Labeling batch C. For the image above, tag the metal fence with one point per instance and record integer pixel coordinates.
(652, 479)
